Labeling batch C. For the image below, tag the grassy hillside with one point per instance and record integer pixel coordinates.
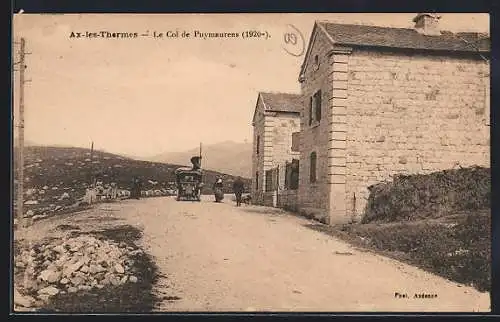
(51, 172)
(227, 157)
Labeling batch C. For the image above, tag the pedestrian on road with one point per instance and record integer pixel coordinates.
(136, 188)
(238, 189)
(218, 192)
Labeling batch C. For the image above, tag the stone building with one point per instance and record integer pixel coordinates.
(276, 124)
(380, 101)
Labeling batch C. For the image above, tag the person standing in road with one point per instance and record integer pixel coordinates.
(218, 190)
(238, 189)
(136, 188)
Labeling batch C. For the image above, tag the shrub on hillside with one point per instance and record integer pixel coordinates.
(411, 197)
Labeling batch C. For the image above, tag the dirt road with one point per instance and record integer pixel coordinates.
(216, 257)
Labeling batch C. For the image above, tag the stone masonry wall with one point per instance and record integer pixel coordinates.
(280, 129)
(284, 125)
(314, 198)
(275, 131)
(258, 158)
(412, 113)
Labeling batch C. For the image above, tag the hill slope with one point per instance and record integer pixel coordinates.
(227, 157)
(59, 170)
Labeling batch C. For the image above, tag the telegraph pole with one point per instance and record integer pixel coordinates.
(200, 155)
(92, 182)
(20, 149)
(20, 134)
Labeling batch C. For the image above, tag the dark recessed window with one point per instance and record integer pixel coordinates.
(295, 142)
(317, 105)
(312, 167)
(315, 108)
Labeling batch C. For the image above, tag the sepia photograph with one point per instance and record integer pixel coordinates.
(284, 162)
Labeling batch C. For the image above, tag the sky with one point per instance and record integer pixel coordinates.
(147, 96)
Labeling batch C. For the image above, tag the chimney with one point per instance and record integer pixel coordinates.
(427, 24)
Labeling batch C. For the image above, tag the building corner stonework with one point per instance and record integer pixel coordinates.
(338, 128)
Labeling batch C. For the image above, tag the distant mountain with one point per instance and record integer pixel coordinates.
(227, 157)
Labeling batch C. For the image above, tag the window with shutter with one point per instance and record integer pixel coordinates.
(312, 168)
(295, 142)
(317, 107)
(294, 176)
(310, 110)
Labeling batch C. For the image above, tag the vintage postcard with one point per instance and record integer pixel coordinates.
(251, 163)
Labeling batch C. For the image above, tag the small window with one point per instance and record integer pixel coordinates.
(317, 105)
(295, 142)
(258, 144)
(312, 169)
(315, 108)
(311, 110)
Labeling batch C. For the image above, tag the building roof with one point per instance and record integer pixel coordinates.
(350, 35)
(405, 38)
(281, 102)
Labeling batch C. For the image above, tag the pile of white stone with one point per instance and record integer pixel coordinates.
(75, 264)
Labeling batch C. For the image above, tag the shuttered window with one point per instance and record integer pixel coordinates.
(296, 142)
(310, 110)
(317, 105)
(312, 167)
(315, 108)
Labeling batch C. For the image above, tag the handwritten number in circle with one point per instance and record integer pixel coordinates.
(292, 40)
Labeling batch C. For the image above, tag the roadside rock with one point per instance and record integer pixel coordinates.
(50, 275)
(20, 264)
(29, 213)
(74, 264)
(49, 290)
(72, 289)
(22, 300)
(119, 268)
